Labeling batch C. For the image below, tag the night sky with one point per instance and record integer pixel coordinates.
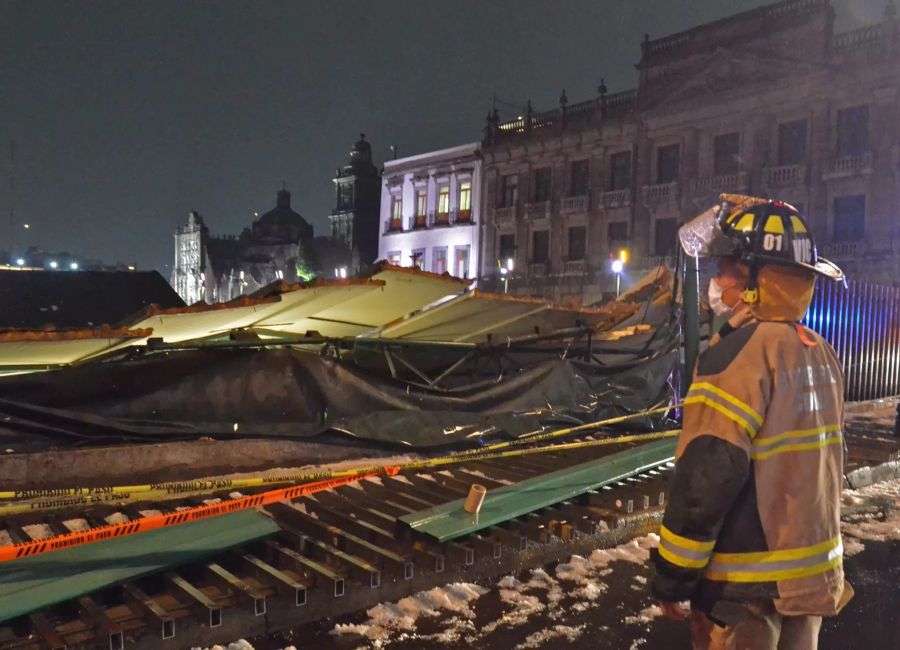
(127, 115)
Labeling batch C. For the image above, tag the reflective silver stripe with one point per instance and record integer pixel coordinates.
(677, 550)
(734, 408)
(777, 565)
(762, 445)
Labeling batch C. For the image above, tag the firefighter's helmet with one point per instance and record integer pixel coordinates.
(773, 241)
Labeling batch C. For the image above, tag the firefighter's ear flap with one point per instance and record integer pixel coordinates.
(783, 293)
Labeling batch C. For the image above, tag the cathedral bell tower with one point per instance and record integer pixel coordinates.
(354, 219)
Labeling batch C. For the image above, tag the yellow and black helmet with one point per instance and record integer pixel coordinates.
(776, 245)
(774, 232)
(758, 231)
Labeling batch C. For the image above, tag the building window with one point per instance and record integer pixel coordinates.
(792, 143)
(580, 179)
(849, 218)
(620, 171)
(393, 257)
(461, 265)
(396, 213)
(542, 185)
(852, 131)
(443, 201)
(417, 258)
(668, 159)
(506, 248)
(421, 203)
(540, 246)
(577, 242)
(617, 233)
(439, 262)
(666, 232)
(726, 154)
(345, 196)
(510, 190)
(465, 201)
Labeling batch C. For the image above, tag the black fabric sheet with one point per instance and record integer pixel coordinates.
(243, 393)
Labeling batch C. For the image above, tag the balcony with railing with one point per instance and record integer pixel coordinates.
(538, 269)
(655, 261)
(785, 175)
(842, 250)
(572, 204)
(863, 38)
(850, 166)
(574, 267)
(738, 182)
(462, 217)
(617, 198)
(610, 104)
(393, 225)
(438, 219)
(505, 214)
(537, 210)
(661, 193)
(417, 222)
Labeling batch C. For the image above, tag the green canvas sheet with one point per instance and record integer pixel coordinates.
(450, 521)
(32, 583)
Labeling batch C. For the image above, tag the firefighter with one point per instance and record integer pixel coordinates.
(751, 534)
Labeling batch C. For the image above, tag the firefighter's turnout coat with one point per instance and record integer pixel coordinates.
(754, 509)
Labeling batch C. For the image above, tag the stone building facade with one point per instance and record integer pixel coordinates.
(354, 219)
(216, 269)
(430, 215)
(770, 101)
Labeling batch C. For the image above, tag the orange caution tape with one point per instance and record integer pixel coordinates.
(68, 540)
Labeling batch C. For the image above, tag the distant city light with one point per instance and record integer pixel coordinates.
(26, 226)
(617, 266)
(73, 266)
(53, 264)
(20, 261)
(131, 267)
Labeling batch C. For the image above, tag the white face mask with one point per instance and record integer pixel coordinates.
(715, 300)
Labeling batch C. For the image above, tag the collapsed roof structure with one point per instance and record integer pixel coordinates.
(400, 357)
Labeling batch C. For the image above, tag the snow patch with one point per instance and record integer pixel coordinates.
(387, 618)
(879, 521)
(538, 639)
(645, 616)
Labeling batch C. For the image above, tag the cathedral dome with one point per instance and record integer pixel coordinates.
(282, 223)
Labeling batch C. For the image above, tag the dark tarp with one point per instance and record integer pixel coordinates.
(79, 299)
(242, 393)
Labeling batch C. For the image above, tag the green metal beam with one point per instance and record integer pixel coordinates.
(449, 521)
(32, 583)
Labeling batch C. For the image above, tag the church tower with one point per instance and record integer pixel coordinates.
(354, 219)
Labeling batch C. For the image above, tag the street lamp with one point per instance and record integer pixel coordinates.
(20, 261)
(53, 264)
(73, 266)
(505, 271)
(618, 265)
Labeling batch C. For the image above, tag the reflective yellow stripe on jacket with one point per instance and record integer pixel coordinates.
(803, 440)
(725, 403)
(682, 551)
(767, 566)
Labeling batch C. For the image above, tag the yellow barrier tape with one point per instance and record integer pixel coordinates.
(53, 498)
(118, 496)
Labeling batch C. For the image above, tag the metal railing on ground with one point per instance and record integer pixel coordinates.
(862, 323)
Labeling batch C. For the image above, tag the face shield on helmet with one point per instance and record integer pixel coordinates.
(771, 241)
